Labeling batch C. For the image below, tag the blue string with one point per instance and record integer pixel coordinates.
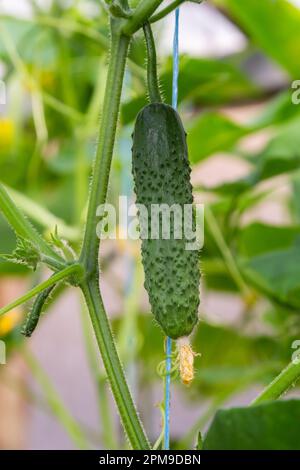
(169, 341)
(175, 61)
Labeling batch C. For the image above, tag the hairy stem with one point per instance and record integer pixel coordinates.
(109, 437)
(60, 276)
(114, 370)
(142, 13)
(165, 11)
(152, 77)
(280, 385)
(90, 249)
(101, 170)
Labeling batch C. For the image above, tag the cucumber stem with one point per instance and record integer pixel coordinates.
(152, 78)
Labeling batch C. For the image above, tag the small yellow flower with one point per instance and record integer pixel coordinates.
(9, 321)
(7, 131)
(186, 360)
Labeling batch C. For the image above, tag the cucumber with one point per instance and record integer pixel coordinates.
(35, 313)
(161, 174)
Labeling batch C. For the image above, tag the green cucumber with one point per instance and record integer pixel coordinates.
(162, 176)
(36, 311)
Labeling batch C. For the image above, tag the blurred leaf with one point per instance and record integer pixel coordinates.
(8, 244)
(199, 442)
(274, 25)
(210, 133)
(16, 29)
(208, 82)
(228, 360)
(295, 198)
(130, 109)
(258, 238)
(281, 155)
(202, 81)
(278, 110)
(231, 360)
(277, 273)
(271, 426)
(216, 276)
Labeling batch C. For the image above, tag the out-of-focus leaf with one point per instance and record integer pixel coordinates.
(202, 81)
(270, 426)
(228, 360)
(130, 109)
(281, 155)
(258, 238)
(208, 82)
(272, 24)
(212, 132)
(295, 199)
(215, 274)
(8, 244)
(279, 110)
(16, 29)
(277, 273)
(199, 441)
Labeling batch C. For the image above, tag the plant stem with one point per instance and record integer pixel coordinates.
(101, 170)
(142, 13)
(63, 274)
(152, 77)
(54, 401)
(165, 11)
(280, 385)
(100, 380)
(114, 370)
(24, 229)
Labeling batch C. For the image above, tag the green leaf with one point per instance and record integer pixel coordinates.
(279, 110)
(201, 81)
(258, 238)
(208, 82)
(199, 441)
(26, 253)
(274, 25)
(277, 273)
(295, 198)
(281, 155)
(212, 132)
(272, 426)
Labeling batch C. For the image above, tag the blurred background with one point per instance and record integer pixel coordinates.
(238, 62)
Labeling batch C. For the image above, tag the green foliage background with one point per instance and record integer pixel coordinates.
(55, 67)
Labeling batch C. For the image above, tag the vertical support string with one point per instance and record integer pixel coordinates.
(175, 61)
(168, 340)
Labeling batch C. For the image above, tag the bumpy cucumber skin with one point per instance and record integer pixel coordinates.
(162, 176)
